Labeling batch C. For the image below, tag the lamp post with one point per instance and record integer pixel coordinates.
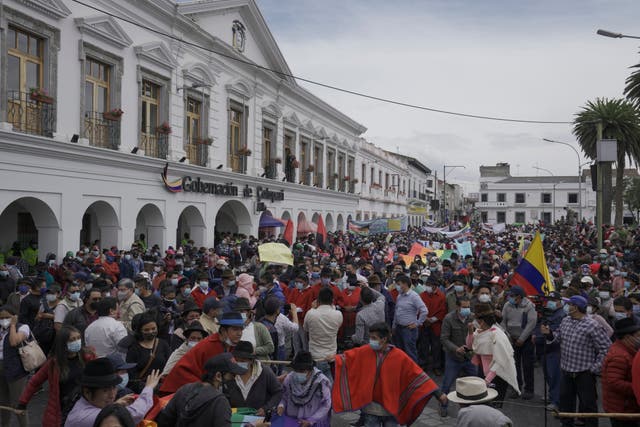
(613, 35)
(444, 187)
(579, 171)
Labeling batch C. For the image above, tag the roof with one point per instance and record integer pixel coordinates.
(539, 180)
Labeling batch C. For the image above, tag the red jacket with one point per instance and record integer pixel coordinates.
(199, 297)
(617, 391)
(302, 300)
(48, 372)
(437, 305)
(190, 367)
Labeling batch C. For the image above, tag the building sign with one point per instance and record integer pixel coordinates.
(188, 184)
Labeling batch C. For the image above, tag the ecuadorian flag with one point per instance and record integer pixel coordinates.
(532, 273)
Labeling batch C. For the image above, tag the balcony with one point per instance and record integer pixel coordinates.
(155, 145)
(305, 177)
(271, 170)
(317, 180)
(491, 205)
(100, 131)
(198, 154)
(29, 114)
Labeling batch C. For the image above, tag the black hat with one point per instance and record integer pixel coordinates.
(99, 373)
(195, 326)
(190, 306)
(244, 350)
(224, 362)
(625, 326)
(241, 304)
(302, 361)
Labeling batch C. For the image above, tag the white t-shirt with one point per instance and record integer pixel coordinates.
(24, 329)
(322, 324)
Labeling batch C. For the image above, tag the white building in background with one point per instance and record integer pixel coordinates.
(93, 108)
(526, 199)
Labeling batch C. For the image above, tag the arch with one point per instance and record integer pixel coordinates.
(349, 219)
(285, 215)
(272, 109)
(233, 217)
(240, 88)
(199, 72)
(329, 223)
(366, 217)
(315, 217)
(303, 226)
(340, 223)
(267, 232)
(29, 218)
(191, 221)
(359, 216)
(150, 222)
(100, 222)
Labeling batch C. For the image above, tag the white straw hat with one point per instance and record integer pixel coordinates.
(471, 390)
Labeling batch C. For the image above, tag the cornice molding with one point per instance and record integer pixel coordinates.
(53, 8)
(157, 53)
(105, 28)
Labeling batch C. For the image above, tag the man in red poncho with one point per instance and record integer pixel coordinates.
(398, 392)
(190, 367)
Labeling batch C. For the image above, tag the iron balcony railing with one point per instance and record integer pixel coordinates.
(271, 170)
(198, 154)
(32, 114)
(101, 131)
(155, 145)
(317, 180)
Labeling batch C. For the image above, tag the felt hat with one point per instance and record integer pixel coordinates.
(472, 390)
(195, 326)
(231, 318)
(228, 274)
(99, 373)
(244, 350)
(241, 304)
(302, 361)
(625, 326)
(374, 279)
(224, 362)
(190, 306)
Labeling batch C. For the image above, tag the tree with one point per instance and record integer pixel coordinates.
(632, 196)
(620, 120)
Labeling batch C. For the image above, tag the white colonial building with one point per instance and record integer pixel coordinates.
(525, 199)
(109, 129)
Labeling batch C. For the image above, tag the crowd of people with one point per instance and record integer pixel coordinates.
(180, 336)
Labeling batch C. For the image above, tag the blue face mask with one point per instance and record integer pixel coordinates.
(619, 315)
(124, 382)
(300, 377)
(627, 285)
(465, 311)
(552, 305)
(636, 308)
(459, 288)
(74, 346)
(512, 300)
(475, 282)
(566, 308)
(23, 289)
(375, 344)
(325, 281)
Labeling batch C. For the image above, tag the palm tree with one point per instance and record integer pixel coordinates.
(632, 89)
(620, 120)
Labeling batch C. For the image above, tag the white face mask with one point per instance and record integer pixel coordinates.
(484, 298)
(4, 323)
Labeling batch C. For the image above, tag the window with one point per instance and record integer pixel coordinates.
(546, 217)
(520, 198)
(364, 173)
(267, 151)
(380, 177)
(237, 138)
(572, 198)
(501, 197)
(429, 183)
(501, 217)
(484, 216)
(372, 176)
(545, 198)
(484, 197)
(520, 217)
(193, 128)
(153, 141)
(317, 162)
(289, 154)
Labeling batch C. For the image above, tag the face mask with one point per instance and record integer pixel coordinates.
(299, 285)
(325, 281)
(627, 285)
(51, 297)
(150, 336)
(636, 308)
(4, 323)
(300, 377)
(174, 282)
(88, 287)
(157, 269)
(204, 285)
(475, 282)
(566, 308)
(231, 283)
(429, 289)
(465, 311)
(137, 291)
(476, 324)
(623, 274)
(262, 289)
(512, 300)
(603, 295)
(458, 288)
(187, 269)
(619, 315)
(375, 344)
(228, 342)
(192, 344)
(74, 296)
(122, 295)
(333, 264)
(124, 382)
(4, 273)
(186, 292)
(169, 302)
(23, 289)
(95, 253)
(74, 346)
(244, 365)
(484, 298)
(52, 263)
(244, 316)
(127, 257)
(589, 310)
(552, 305)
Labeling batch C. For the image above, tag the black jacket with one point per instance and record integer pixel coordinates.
(196, 405)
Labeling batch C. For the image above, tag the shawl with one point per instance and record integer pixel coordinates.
(494, 342)
(399, 385)
(301, 394)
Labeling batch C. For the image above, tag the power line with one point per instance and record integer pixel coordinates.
(320, 84)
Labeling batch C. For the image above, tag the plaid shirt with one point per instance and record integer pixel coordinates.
(583, 344)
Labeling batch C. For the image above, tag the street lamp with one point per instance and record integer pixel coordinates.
(553, 213)
(444, 187)
(579, 169)
(613, 35)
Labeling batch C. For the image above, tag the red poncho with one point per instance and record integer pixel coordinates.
(190, 367)
(400, 386)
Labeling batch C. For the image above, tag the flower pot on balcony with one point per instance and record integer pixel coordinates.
(108, 115)
(45, 99)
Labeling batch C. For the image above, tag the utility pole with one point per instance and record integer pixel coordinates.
(599, 193)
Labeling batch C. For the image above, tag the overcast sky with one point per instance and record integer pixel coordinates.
(533, 59)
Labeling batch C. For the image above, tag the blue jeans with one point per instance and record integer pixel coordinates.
(554, 375)
(324, 367)
(407, 339)
(452, 369)
(376, 421)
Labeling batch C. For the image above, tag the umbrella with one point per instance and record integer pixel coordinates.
(269, 221)
(277, 253)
